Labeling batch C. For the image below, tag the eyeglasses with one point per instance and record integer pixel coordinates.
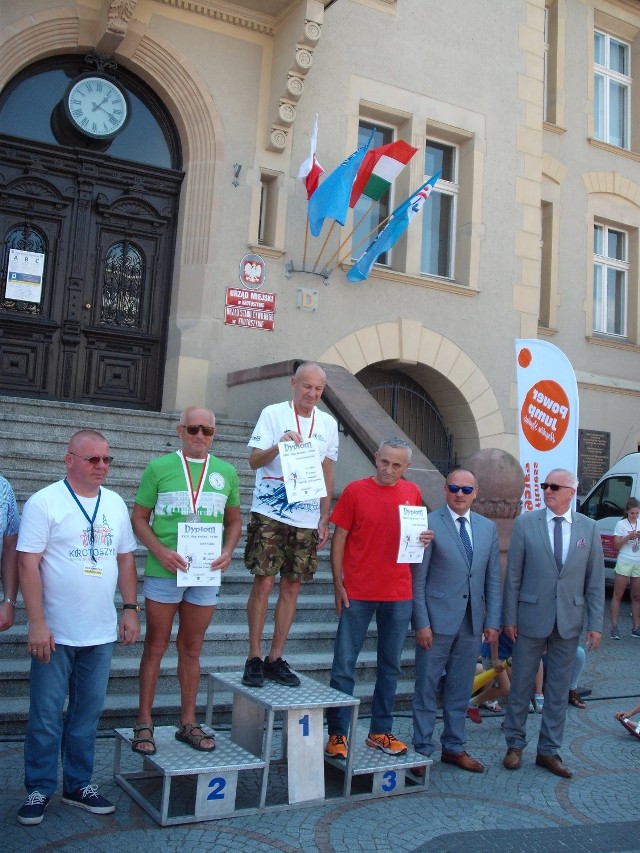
(93, 460)
(194, 430)
(553, 486)
(466, 490)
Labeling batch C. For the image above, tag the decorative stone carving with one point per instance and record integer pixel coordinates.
(287, 112)
(312, 31)
(303, 58)
(295, 86)
(278, 138)
(118, 15)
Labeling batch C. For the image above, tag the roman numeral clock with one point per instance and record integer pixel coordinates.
(94, 107)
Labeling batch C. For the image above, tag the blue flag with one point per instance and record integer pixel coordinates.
(331, 199)
(392, 231)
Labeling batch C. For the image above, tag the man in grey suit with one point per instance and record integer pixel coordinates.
(555, 568)
(456, 594)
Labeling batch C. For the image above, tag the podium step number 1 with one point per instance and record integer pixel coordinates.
(305, 755)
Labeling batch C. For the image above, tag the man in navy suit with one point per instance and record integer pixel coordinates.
(555, 568)
(456, 594)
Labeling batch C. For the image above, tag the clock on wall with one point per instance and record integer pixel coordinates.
(96, 106)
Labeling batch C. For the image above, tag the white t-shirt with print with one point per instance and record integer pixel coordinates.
(269, 494)
(77, 591)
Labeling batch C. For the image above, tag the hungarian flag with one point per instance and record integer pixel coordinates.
(392, 231)
(380, 167)
(311, 170)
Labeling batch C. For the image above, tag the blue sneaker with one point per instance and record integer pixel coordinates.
(32, 811)
(89, 799)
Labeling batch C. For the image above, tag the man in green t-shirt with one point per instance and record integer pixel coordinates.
(184, 491)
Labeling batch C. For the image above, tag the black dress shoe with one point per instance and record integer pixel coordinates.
(553, 763)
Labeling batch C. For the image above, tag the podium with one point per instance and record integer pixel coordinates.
(253, 715)
(216, 775)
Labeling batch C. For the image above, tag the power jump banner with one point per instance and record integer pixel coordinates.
(548, 423)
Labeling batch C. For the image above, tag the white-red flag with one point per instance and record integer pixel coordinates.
(311, 170)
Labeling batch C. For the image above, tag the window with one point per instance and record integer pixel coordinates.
(439, 214)
(268, 209)
(612, 89)
(545, 47)
(368, 214)
(610, 274)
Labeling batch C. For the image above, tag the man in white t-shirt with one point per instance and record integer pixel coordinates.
(284, 536)
(74, 546)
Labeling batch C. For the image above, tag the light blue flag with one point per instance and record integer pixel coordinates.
(392, 231)
(331, 199)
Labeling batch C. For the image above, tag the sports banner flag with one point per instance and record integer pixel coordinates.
(548, 415)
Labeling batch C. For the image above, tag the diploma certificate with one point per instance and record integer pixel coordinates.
(200, 544)
(413, 520)
(302, 471)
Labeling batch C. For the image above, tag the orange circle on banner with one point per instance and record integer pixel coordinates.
(524, 357)
(545, 415)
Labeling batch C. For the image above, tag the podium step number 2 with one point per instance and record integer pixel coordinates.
(305, 753)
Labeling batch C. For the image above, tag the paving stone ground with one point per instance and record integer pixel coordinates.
(503, 811)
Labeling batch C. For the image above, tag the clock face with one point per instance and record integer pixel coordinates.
(97, 107)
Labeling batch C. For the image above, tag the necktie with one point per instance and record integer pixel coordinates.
(557, 541)
(465, 539)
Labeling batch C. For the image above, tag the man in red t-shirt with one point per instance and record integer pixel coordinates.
(369, 581)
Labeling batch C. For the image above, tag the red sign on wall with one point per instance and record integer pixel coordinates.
(250, 308)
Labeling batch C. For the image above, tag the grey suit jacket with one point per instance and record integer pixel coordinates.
(443, 584)
(536, 595)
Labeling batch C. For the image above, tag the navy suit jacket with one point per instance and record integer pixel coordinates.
(444, 583)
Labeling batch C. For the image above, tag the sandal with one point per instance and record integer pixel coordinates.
(192, 734)
(137, 740)
(575, 700)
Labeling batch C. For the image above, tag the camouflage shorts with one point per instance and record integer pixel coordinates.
(273, 546)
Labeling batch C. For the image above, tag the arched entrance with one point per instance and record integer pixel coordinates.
(99, 215)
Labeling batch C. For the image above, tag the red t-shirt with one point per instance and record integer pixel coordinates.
(369, 513)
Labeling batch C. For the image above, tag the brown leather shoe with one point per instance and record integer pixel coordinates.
(576, 700)
(462, 760)
(553, 763)
(512, 759)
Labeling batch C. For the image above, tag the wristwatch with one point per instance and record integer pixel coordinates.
(7, 600)
(135, 607)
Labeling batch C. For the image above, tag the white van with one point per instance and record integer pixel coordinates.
(606, 500)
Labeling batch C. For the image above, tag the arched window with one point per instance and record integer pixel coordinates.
(123, 286)
(24, 238)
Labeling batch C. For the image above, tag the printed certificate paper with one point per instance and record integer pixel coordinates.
(413, 520)
(200, 545)
(302, 471)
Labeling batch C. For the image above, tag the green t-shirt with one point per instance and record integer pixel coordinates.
(164, 489)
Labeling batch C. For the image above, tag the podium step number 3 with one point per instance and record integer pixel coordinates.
(305, 754)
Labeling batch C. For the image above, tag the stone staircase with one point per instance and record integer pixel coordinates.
(33, 439)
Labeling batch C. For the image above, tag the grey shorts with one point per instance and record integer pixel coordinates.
(166, 591)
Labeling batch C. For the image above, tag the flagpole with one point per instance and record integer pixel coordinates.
(306, 237)
(364, 239)
(355, 228)
(326, 240)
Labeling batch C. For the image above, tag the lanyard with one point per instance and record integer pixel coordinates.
(313, 419)
(194, 496)
(92, 535)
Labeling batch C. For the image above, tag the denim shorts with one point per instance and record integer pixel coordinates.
(166, 591)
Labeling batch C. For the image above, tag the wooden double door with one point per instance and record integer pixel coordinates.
(104, 231)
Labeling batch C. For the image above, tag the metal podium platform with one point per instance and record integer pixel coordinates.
(216, 772)
(252, 720)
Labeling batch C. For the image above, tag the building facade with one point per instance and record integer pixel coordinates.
(142, 219)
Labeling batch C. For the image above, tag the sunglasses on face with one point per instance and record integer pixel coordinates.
(93, 460)
(194, 430)
(466, 490)
(553, 486)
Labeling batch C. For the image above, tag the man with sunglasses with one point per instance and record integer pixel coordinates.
(75, 544)
(281, 536)
(555, 568)
(456, 596)
(189, 485)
